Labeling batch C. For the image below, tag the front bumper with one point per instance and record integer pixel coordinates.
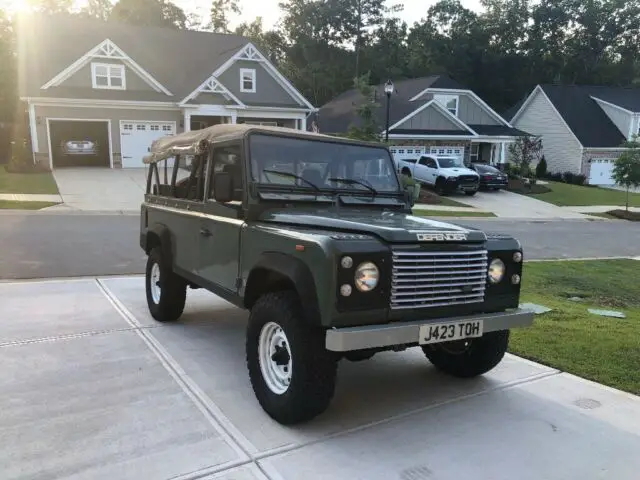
(376, 336)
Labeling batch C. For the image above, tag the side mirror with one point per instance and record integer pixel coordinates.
(223, 187)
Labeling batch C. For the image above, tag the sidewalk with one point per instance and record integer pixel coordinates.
(447, 208)
(598, 208)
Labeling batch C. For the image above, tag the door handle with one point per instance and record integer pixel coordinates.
(205, 233)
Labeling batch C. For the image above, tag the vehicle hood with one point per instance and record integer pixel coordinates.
(458, 171)
(389, 226)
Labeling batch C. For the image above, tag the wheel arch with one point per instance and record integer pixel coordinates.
(279, 271)
(159, 235)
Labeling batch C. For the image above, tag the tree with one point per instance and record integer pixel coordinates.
(626, 169)
(50, 6)
(368, 128)
(221, 11)
(99, 9)
(525, 151)
(151, 13)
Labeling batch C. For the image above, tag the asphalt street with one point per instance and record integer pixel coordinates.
(60, 245)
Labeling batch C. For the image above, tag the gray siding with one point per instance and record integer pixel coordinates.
(472, 113)
(429, 119)
(82, 78)
(561, 149)
(211, 99)
(621, 119)
(268, 90)
(112, 114)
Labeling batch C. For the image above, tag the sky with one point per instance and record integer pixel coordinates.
(414, 10)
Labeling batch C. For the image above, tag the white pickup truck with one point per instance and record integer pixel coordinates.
(445, 174)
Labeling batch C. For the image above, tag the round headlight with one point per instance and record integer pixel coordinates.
(366, 277)
(496, 270)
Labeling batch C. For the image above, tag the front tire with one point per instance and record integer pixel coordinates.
(469, 358)
(292, 375)
(166, 291)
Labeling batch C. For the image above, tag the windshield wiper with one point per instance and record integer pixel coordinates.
(351, 181)
(293, 175)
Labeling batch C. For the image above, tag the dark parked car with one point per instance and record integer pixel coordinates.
(490, 177)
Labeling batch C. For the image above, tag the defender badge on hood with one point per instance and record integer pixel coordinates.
(441, 237)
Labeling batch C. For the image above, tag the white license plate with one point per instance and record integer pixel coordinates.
(447, 332)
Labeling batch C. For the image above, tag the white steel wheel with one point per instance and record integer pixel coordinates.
(274, 354)
(155, 283)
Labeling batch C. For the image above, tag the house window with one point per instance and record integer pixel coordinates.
(167, 128)
(108, 76)
(475, 152)
(155, 128)
(450, 102)
(247, 80)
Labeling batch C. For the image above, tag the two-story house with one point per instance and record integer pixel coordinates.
(582, 127)
(117, 87)
(433, 115)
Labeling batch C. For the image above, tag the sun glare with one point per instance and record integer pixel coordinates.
(18, 6)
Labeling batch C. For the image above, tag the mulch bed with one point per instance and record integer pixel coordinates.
(625, 215)
(428, 197)
(518, 185)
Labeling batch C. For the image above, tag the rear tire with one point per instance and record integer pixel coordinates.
(166, 291)
(292, 374)
(478, 357)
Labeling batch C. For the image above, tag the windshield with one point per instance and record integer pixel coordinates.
(448, 162)
(324, 164)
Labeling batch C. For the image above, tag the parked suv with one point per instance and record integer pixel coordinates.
(314, 236)
(445, 174)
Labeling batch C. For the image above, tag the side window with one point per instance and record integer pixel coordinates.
(227, 159)
(160, 177)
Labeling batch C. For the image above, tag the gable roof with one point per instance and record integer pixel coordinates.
(336, 115)
(578, 108)
(178, 59)
(588, 122)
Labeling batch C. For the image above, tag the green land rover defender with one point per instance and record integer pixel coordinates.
(315, 237)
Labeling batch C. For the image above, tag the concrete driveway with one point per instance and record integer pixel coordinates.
(508, 204)
(101, 189)
(93, 388)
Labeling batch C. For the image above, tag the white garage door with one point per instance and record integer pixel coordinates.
(446, 151)
(601, 171)
(404, 152)
(136, 138)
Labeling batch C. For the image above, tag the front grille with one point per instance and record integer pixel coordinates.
(468, 178)
(424, 279)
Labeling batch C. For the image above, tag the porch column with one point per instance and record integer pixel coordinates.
(234, 117)
(303, 124)
(502, 152)
(187, 121)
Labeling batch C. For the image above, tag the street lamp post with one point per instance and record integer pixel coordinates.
(388, 89)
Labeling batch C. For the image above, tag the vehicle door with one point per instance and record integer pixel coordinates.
(221, 223)
(425, 171)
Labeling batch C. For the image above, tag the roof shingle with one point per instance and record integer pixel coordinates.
(179, 59)
(589, 123)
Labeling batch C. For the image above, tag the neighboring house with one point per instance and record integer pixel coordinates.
(117, 87)
(582, 127)
(434, 115)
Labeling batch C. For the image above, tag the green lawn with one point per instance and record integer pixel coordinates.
(448, 213)
(602, 349)
(565, 195)
(14, 205)
(37, 183)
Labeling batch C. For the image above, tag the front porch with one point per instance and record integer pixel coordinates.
(490, 151)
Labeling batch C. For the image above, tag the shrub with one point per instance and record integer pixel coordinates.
(541, 168)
